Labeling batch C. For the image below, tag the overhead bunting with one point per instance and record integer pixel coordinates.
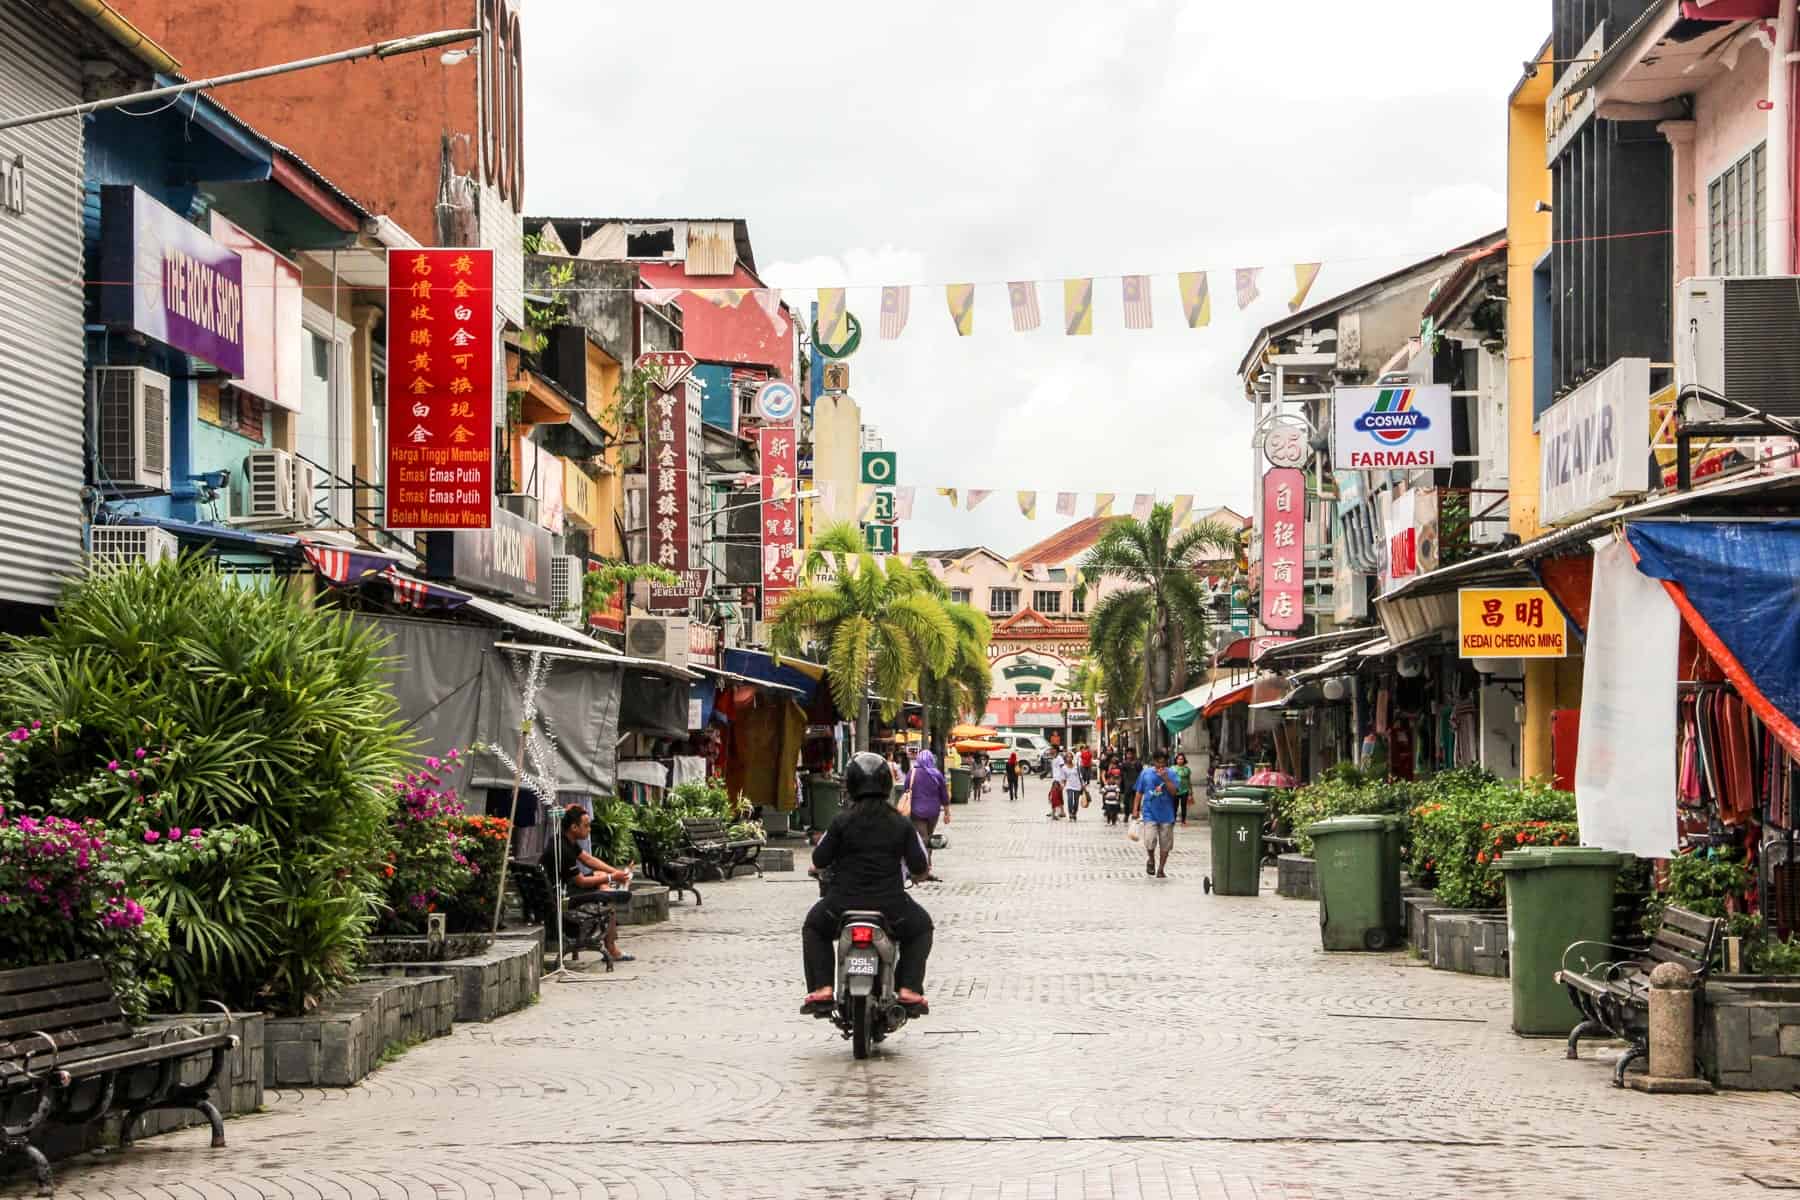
(975, 496)
(948, 494)
(723, 297)
(827, 497)
(1023, 298)
(834, 316)
(1065, 504)
(1028, 505)
(1078, 307)
(1196, 298)
(1247, 290)
(1135, 291)
(1141, 505)
(656, 296)
(1103, 504)
(1304, 274)
(896, 304)
(1040, 572)
(1184, 510)
(865, 501)
(961, 298)
(903, 503)
(769, 299)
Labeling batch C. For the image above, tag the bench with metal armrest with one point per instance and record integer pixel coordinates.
(588, 918)
(68, 1056)
(676, 872)
(707, 839)
(1613, 996)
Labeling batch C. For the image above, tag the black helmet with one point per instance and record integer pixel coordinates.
(868, 777)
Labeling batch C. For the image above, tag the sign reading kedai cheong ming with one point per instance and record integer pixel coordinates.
(1391, 428)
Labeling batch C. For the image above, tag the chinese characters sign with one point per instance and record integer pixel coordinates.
(1518, 622)
(780, 512)
(669, 513)
(1283, 549)
(440, 411)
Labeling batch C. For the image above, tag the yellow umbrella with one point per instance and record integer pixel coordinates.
(971, 731)
(979, 746)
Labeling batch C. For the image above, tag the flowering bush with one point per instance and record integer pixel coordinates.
(483, 841)
(1468, 818)
(64, 896)
(426, 863)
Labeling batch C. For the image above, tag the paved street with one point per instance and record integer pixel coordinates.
(1095, 1034)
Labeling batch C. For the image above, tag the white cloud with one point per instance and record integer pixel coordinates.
(937, 141)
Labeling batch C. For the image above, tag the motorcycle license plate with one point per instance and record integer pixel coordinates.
(861, 966)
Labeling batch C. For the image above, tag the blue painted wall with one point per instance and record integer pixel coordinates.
(716, 399)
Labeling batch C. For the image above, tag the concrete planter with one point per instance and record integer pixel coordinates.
(1472, 941)
(339, 1043)
(500, 979)
(1418, 909)
(1750, 1032)
(649, 904)
(775, 858)
(423, 949)
(1296, 877)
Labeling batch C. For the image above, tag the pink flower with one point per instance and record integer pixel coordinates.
(113, 765)
(37, 724)
(150, 835)
(193, 833)
(174, 835)
(434, 763)
(134, 774)
(140, 753)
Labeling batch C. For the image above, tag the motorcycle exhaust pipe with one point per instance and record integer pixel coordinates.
(896, 1017)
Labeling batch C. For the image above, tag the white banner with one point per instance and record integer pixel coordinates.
(1625, 783)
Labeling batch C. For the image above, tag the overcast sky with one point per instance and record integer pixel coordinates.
(934, 142)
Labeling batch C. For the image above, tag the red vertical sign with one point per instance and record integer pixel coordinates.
(780, 512)
(668, 499)
(440, 401)
(1283, 548)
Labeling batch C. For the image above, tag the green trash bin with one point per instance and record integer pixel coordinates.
(959, 785)
(1358, 865)
(1555, 896)
(1237, 825)
(824, 797)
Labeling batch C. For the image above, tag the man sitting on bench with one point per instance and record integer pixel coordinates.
(586, 879)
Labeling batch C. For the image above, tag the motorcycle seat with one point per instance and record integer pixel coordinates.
(872, 918)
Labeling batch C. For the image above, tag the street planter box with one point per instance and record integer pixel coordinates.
(1750, 1032)
(499, 979)
(1472, 941)
(339, 1043)
(1418, 908)
(417, 948)
(649, 904)
(1296, 877)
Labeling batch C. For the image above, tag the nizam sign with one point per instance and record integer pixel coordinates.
(440, 404)
(1594, 444)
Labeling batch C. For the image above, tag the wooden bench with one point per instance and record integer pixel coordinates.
(585, 926)
(708, 840)
(67, 1056)
(1614, 996)
(676, 873)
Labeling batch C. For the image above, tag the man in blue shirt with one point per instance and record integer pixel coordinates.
(1154, 803)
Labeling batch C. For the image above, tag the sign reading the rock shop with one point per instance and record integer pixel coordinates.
(165, 278)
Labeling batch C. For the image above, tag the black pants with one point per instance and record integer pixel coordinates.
(907, 920)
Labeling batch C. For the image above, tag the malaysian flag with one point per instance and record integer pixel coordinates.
(407, 591)
(1024, 306)
(895, 304)
(1137, 301)
(1065, 504)
(1141, 506)
(976, 496)
(1247, 290)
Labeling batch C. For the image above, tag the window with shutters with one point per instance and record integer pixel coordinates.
(1046, 601)
(1003, 602)
(1737, 216)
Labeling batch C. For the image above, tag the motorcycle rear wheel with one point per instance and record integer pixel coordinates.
(861, 1016)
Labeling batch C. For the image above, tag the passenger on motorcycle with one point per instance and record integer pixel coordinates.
(867, 851)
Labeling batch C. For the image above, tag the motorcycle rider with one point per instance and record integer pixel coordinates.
(868, 849)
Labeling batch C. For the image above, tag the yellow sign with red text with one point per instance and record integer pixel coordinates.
(1516, 622)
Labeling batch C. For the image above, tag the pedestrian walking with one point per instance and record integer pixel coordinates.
(1154, 805)
(1056, 786)
(1013, 772)
(1087, 765)
(926, 801)
(1184, 785)
(1072, 785)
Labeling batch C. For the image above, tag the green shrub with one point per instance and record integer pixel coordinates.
(264, 714)
(1464, 817)
(1344, 794)
(614, 821)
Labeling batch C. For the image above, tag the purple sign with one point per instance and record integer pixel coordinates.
(166, 279)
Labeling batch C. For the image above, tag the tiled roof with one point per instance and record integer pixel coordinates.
(1060, 547)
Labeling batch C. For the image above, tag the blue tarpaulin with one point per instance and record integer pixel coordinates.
(796, 673)
(1741, 579)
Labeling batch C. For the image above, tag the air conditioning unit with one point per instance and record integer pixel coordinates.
(131, 412)
(267, 495)
(520, 504)
(1740, 337)
(566, 571)
(662, 638)
(302, 477)
(122, 545)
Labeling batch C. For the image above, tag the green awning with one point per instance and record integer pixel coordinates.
(1181, 712)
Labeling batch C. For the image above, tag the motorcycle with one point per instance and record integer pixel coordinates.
(866, 1002)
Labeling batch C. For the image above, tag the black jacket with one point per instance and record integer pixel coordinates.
(864, 850)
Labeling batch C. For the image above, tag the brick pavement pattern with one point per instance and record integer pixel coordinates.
(1094, 1033)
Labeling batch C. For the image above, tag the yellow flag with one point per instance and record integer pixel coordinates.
(1184, 509)
(1078, 307)
(833, 316)
(1103, 503)
(1028, 505)
(948, 494)
(1196, 298)
(1304, 274)
(961, 298)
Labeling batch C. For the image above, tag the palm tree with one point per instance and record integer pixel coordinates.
(964, 687)
(1162, 620)
(876, 626)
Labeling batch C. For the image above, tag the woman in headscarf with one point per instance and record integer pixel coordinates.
(930, 800)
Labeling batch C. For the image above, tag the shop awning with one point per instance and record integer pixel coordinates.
(222, 537)
(1204, 701)
(1499, 569)
(345, 566)
(762, 667)
(1735, 582)
(1319, 643)
(536, 623)
(767, 685)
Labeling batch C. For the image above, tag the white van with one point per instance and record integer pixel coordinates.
(1029, 747)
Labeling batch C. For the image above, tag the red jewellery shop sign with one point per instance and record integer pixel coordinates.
(1283, 548)
(440, 404)
(780, 512)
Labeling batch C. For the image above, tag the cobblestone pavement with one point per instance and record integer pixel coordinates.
(1095, 1033)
